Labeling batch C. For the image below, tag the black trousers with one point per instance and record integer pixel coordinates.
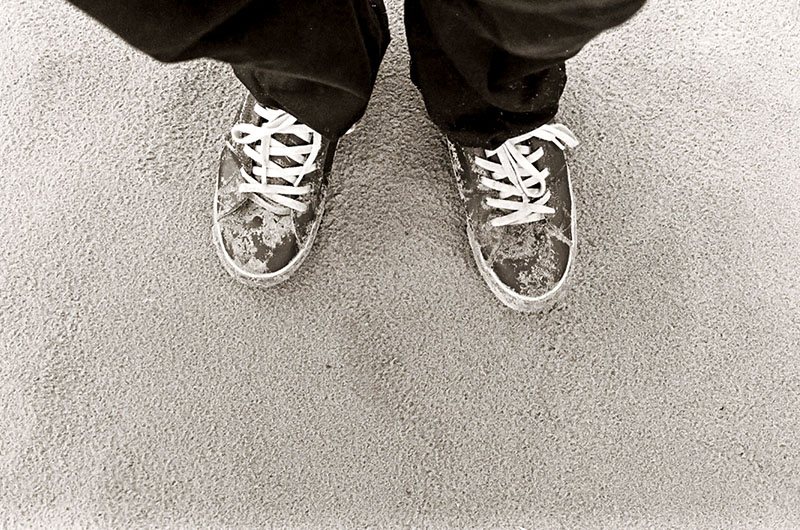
(487, 69)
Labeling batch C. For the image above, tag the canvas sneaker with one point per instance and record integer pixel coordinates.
(270, 194)
(520, 214)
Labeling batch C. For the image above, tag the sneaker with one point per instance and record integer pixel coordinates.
(270, 196)
(520, 214)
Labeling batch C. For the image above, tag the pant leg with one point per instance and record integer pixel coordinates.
(317, 59)
(492, 69)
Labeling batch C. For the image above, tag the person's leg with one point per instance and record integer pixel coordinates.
(491, 73)
(317, 59)
(492, 69)
(309, 66)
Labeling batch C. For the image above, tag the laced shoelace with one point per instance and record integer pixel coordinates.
(276, 198)
(514, 175)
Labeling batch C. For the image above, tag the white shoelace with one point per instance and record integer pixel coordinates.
(276, 197)
(526, 182)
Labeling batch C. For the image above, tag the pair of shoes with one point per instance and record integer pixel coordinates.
(273, 179)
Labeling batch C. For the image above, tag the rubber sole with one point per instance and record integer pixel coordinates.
(510, 299)
(264, 281)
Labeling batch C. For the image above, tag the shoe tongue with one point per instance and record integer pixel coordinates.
(283, 161)
(288, 140)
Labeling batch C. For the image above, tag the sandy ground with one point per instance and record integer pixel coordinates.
(384, 386)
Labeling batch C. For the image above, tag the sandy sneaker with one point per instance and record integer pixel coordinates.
(270, 195)
(520, 214)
